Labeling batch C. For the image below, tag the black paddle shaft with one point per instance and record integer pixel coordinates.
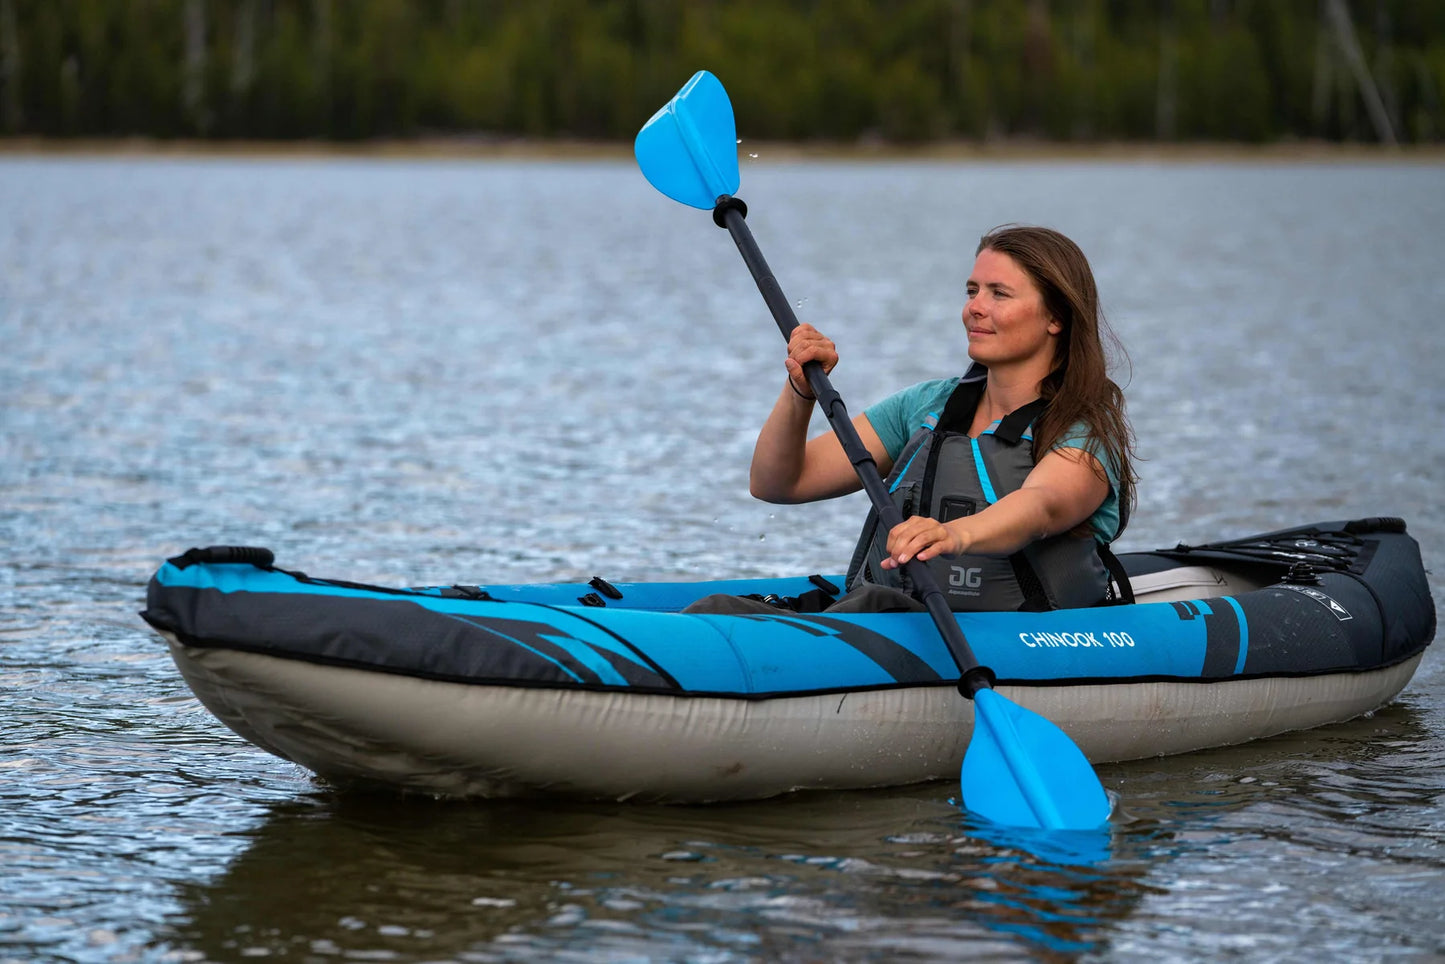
(730, 213)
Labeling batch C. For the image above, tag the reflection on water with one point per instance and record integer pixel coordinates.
(415, 373)
(854, 874)
(1241, 837)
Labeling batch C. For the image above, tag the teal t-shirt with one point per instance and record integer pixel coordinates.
(898, 416)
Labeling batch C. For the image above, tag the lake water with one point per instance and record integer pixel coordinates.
(423, 372)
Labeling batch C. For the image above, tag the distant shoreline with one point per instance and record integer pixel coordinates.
(500, 148)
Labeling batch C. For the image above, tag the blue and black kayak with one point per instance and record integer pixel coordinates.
(607, 690)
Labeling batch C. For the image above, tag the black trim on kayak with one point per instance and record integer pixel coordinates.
(384, 635)
(1221, 654)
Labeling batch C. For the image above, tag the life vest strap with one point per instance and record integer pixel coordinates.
(962, 405)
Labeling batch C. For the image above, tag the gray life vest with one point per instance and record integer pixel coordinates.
(944, 474)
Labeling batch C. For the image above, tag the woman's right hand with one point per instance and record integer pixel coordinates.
(807, 344)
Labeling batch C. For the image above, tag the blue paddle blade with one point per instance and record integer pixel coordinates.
(689, 149)
(1024, 771)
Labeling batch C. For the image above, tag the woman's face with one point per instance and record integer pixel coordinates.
(1005, 315)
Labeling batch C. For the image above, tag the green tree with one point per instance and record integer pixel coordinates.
(906, 70)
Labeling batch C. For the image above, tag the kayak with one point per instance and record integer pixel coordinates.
(607, 690)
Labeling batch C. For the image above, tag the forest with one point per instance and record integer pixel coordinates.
(844, 71)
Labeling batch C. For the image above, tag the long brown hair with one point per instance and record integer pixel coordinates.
(1078, 388)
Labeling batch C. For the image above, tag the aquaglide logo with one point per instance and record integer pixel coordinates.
(960, 577)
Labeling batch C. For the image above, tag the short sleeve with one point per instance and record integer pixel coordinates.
(898, 416)
(1105, 519)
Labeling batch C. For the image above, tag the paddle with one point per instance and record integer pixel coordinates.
(1019, 769)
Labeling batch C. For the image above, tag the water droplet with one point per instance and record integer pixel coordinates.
(686, 856)
(753, 156)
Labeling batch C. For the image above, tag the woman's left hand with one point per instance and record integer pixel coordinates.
(923, 538)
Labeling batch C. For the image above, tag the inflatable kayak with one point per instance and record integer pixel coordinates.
(606, 690)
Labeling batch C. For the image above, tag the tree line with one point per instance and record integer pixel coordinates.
(837, 70)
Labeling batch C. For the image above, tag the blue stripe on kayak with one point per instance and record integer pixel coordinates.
(1243, 634)
(584, 651)
(1203, 607)
(988, 493)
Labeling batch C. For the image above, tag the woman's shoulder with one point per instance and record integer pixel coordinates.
(920, 399)
(899, 415)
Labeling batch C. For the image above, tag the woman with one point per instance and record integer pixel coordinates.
(1004, 524)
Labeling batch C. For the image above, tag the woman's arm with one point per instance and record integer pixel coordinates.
(1064, 489)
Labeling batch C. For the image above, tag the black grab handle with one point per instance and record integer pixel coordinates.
(250, 555)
